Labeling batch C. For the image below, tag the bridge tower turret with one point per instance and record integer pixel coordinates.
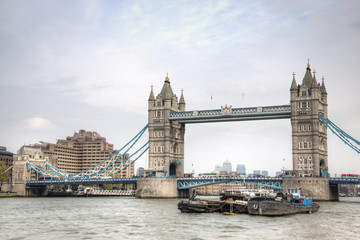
(309, 133)
(166, 138)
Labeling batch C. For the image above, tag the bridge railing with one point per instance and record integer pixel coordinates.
(232, 114)
(82, 181)
(334, 180)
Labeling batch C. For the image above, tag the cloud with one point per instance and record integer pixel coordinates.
(38, 123)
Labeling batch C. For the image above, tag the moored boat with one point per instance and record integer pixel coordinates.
(293, 202)
(229, 205)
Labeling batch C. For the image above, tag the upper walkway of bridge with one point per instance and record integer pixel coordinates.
(232, 114)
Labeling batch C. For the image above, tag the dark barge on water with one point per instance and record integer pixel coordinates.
(210, 206)
(231, 202)
(236, 203)
(291, 203)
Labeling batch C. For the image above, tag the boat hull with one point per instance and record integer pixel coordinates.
(278, 208)
(206, 206)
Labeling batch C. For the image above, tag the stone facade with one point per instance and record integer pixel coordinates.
(318, 189)
(309, 133)
(157, 188)
(166, 138)
(22, 173)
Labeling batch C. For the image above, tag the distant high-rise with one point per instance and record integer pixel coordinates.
(140, 171)
(278, 174)
(240, 169)
(265, 173)
(227, 166)
(257, 172)
(218, 167)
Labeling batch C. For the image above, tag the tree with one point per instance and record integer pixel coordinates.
(108, 186)
(4, 174)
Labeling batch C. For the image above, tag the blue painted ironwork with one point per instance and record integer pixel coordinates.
(83, 181)
(344, 180)
(346, 138)
(108, 167)
(44, 172)
(57, 170)
(232, 114)
(133, 160)
(186, 183)
(109, 162)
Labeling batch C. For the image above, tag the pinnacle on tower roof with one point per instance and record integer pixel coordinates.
(323, 89)
(307, 80)
(152, 97)
(167, 79)
(293, 84)
(166, 92)
(314, 82)
(308, 64)
(182, 99)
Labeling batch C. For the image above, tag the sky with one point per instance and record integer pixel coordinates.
(71, 65)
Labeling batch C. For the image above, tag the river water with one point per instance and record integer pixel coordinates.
(129, 218)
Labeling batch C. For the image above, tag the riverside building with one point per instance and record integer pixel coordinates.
(6, 158)
(82, 151)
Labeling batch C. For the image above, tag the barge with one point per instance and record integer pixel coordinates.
(291, 203)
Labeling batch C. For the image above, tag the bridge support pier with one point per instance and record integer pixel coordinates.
(157, 188)
(317, 188)
(22, 190)
(184, 193)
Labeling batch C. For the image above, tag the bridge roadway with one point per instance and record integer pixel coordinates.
(186, 183)
(232, 114)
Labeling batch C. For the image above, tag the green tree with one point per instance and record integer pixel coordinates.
(108, 186)
(4, 174)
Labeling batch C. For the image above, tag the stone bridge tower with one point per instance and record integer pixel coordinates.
(166, 138)
(309, 133)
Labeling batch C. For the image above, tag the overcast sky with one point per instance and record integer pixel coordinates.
(71, 65)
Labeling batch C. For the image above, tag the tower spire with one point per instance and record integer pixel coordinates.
(308, 64)
(293, 83)
(167, 79)
(152, 97)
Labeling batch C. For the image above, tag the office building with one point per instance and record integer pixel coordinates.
(240, 169)
(227, 166)
(218, 167)
(6, 158)
(84, 150)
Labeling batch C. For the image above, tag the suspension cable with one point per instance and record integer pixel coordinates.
(341, 134)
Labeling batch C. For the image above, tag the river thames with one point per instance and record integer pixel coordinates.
(129, 218)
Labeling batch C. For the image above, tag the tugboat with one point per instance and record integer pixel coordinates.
(293, 202)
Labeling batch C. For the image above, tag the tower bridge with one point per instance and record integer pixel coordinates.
(308, 111)
(167, 118)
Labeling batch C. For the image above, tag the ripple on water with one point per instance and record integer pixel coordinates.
(127, 218)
